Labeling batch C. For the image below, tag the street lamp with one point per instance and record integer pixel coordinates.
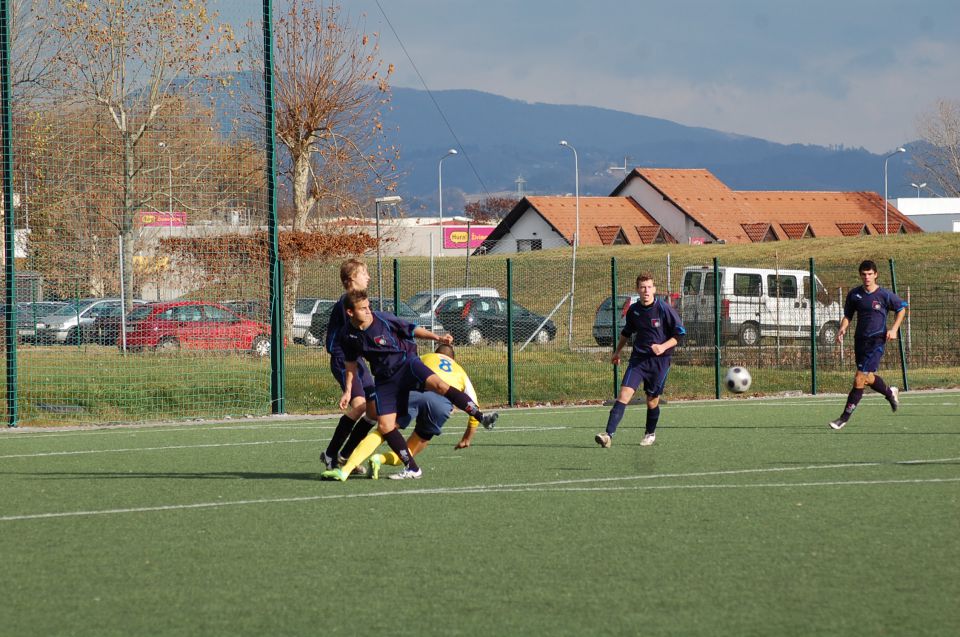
(576, 238)
(163, 147)
(450, 153)
(918, 187)
(886, 218)
(391, 200)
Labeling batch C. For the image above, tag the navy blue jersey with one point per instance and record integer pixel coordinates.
(654, 323)
(871, 309)
(386, 344)
(338, 320)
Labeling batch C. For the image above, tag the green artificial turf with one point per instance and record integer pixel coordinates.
(748, 517)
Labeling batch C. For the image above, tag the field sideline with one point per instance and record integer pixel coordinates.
(748, 517)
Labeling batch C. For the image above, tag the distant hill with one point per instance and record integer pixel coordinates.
(506, 138)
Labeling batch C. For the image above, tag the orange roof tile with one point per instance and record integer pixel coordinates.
(851, 229)
(757, 231)
(797, 230)
(891, 227)
(595, 212)
(608, 234)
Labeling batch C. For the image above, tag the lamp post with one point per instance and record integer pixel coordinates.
(576, 238)
(886, 218)
(391, 200)
(450, 153)
(163, 147)
(918, 187)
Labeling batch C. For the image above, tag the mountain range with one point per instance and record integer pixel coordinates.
(501, 139)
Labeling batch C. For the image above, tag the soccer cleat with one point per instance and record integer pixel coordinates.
(894, 399)
(407, 474)
(327, 461)
(488, 420)
(334, 474)
(838, 423)
(603, 439)
(359, 470)
(648, 439)
(374, 463)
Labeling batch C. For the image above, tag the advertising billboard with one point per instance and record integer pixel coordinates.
(456, 236)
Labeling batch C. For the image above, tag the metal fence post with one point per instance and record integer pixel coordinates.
(813, 329)
(9, 229)
(510, 396)
(716, 327)
(903, 357)
(396, 286)
(613, 319)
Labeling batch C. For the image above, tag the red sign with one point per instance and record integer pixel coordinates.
(151, 219)
(456, 236)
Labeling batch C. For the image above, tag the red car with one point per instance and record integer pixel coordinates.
(194, 325)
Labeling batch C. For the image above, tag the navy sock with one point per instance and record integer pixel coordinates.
(360, 431)
(616, 415)
(399, 446)
(339, 436)
(879, 386)
(653, 417)
(853, 399)
(463, 401)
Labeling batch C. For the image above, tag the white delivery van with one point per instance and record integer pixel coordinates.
(754, 303)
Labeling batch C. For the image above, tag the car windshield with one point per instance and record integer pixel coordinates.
(139, 313)
(421, 302)
(304, 306)
(73, 308)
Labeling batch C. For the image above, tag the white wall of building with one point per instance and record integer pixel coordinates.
(667, 215)
(933, 214)
(529, 227)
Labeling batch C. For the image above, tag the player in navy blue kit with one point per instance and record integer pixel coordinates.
(387, 344)
(351, 429)
(870, 303)
(656, 329)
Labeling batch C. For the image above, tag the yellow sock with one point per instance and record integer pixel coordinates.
(391, 458)
(366, 447)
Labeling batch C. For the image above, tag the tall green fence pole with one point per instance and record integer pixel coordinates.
(276, 268)
(903, 355)
(813, 330)
(613, 320)
(716, 327)
(396, 286)
(9, 234)
(510, 396)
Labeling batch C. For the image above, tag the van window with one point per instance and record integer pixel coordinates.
(747, 284)
(784, 286)
(708, 284)
(691, 282)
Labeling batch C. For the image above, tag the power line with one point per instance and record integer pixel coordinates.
(466, 155)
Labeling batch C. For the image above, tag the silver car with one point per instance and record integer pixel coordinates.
(65, 325)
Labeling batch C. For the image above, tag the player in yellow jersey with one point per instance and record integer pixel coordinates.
(427, 409)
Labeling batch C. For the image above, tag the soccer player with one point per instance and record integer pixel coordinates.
(354, 276)
(656, 330)
(870, 303)
(428, 410)
(387, 344)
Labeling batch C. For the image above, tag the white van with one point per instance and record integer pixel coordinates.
(756, 302)
(426, 303)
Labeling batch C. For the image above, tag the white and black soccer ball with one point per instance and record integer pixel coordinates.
(738, 380)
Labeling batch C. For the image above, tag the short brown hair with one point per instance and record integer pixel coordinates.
(644, 276)
(348, 269)
(353, 297)
(867, 265)
(446, 350)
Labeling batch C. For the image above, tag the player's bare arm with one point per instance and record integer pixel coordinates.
(446, 339)
(351, 371)
(892, 332)
(467, 438)
(660, 348)
(615, 357)
(844, 324)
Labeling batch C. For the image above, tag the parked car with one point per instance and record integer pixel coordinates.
(195, 325)
(29, 313)
(602, 330)
(320, 319)
(427, 303)
(473, 320)
(67, 324)
(303, 311)
(756, 302)
(253, 309)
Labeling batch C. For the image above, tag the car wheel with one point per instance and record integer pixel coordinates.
(260, 345)
(474, 337)
(543, 336)
(828, 333)
(749, 334)
(168, 345)
(73, 337)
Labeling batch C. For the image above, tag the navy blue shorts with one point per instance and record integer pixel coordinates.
(362, 380)
(651, 371)
(869, 351)
(429, 410)
(393, 393)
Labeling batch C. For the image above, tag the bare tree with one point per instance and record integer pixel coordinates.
(329, 88)
(134, 59)
(939, 157)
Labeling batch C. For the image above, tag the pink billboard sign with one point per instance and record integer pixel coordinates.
(152, 219)
(456, 236)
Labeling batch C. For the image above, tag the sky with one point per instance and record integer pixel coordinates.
(828, 72)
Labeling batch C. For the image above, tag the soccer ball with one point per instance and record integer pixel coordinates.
(738, 379)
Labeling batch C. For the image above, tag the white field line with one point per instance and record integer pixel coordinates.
(555, 485)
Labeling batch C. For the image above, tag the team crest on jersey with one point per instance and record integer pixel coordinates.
(655, 322)
(379, 340)
(877, 306)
